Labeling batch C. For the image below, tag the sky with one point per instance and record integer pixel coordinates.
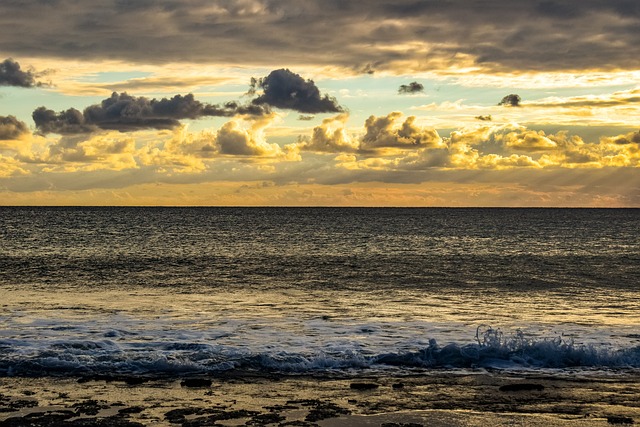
(320, 103)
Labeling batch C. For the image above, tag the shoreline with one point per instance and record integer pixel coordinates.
(430, 399)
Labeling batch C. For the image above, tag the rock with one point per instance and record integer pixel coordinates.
(196, 382)
(130, 410)
(363, 386)
(89, 407)
(265, 419)
(401, 425)
(177, 416)
(297, 423)
(218, 415)
(63, 418)
(15, 405)
(325, 410)
(134, 380)
(39, 419)
(613, 419)
(522, 387)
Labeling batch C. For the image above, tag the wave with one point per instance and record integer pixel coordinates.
(491, 350)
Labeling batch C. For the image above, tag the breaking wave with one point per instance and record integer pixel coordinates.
(491, 349)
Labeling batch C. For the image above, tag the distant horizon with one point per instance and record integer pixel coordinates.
(317, 207)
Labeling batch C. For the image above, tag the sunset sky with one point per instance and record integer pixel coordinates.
(320, 102)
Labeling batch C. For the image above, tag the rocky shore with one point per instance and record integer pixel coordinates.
(434, 399)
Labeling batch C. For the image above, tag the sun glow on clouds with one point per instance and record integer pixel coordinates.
(399, 107)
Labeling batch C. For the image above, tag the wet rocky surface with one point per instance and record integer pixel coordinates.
(315, 402)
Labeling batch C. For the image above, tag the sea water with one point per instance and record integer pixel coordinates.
(165, 292)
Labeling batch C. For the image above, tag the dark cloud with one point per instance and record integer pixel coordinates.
(523, 35)
(12, 75)
(65, 122)
(11, 128)
(124, 113)
(511, 100)
(558, 9)
(368, 69)
(633, 138)
(413, 87)
(484, 118)
(285, 89)
(515, 35)
(305, 118)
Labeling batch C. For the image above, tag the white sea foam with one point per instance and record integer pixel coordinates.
(289, 346)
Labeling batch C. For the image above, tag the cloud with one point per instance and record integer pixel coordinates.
(12, 75)
(616, 99)
(528, 140)
(631, 138)
(501, 147)
(285, 89)
(382, 132)
(511, 100)
(413, 87)
(75, 152)
(482, 118)
(330, 137)
(235, 140)
(11, 128)
(403, 36)
(11, 167)
(498, 162)
(126, 113)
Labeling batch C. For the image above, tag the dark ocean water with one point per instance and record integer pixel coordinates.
(168, 291)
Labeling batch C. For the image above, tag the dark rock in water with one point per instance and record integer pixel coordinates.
(102, 422)
(397, 386)
(522, 387)
(297, 423)
(205, 416)
(40, 419)
(265, 419)
(363, 386)
(324, 410)
(63, 419)
(130, 410)
(196, 382)
(134, 380)
(280, 408)
(14, 405)
(89, 407)
(319, 410)
(619, 420)
(401, 425)
(219, 415)
(177, 416)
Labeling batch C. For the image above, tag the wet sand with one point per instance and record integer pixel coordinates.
(435, 399)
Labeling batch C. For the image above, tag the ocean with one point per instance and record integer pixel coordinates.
(341, 292)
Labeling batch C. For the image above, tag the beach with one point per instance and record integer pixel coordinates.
(475, 398)
(415, 317)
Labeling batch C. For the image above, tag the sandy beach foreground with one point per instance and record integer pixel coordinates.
(435, 399)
